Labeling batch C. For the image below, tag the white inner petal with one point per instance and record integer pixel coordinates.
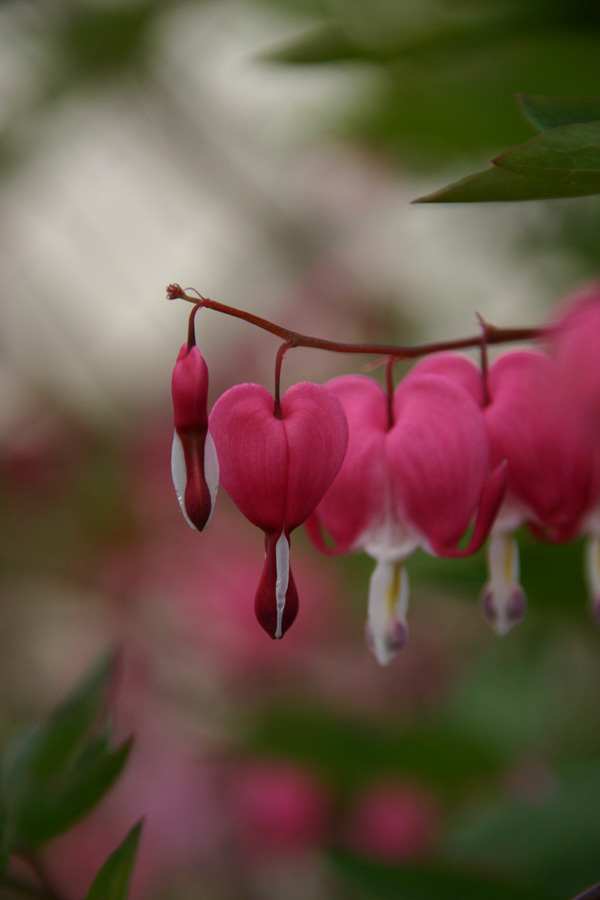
(390, 540)
(592, 567)
(388, 606)
(211, 471)
(503, 586)
(179, 474)
(282, 560)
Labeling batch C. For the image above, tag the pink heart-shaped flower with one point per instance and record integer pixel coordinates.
(276, 471)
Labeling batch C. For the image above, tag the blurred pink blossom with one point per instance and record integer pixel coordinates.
(278, 809)
(392, 822)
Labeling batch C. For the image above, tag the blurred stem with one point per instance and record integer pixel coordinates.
(46, 891)
(493, 335)
(19, 889)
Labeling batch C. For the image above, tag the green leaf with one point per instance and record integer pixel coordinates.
(112, 881)
(45, 813)
(408, 883)
(62, 769)
(554, 112)
(563, 162)
(567, 155)
(501, 185)
(59, 739)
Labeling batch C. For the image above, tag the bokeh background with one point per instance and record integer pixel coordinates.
(266, 152)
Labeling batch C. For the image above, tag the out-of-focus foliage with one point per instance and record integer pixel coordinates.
(58, 773)
(564, 161)
(113, 879)
(449, 71)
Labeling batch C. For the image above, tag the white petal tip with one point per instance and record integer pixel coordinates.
(504, 612)
(387, 646)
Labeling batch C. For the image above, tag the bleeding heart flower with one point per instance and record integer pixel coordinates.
(194, 463)
(414, 476)
(574, 342)
(550, 472)
(276, 470)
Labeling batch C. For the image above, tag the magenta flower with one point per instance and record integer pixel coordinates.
(194, 463)
(276, 470)
(414, 476)
(550, 472)
(575, 339)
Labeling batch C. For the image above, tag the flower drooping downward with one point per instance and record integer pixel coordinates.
(549, 465)
(276, 470)
(415, 474)
(194, 463)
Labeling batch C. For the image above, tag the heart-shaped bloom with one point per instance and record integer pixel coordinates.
(414, 476)
(276, 470)
(550, 474)
(574, 342)
(194, 463)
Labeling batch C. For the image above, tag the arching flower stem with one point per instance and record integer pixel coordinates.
(398, 351)
(483, 355)
(191, 341)
(389, 387)
(278, 361)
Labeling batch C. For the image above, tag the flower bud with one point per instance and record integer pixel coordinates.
(194, 463)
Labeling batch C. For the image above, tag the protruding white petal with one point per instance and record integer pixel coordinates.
(503, 601)
(179, 473)
(282, 559)
(592, 571)
(387, 631)
(211, 472)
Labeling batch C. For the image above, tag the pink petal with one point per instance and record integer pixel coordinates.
(550, 467)
(357, 498)
(317, 435)
(253, 454)
(438, 453)
(277, 470)
(458, 368)
(575, 338)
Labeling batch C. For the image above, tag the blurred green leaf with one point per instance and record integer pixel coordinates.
(347, 752)
(431, 883)
(554, 838)
(513, 696)
(59, 739)
(323, 44)
(554, 112)
(95, 39)
(113, 879)
(61, 770)
(45, 811)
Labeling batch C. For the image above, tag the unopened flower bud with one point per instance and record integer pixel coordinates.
(194, 463)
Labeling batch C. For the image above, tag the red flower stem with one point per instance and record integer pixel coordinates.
(399, 351)
(278, 361)
(484, 358)
(191, 341)
(389, 384)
